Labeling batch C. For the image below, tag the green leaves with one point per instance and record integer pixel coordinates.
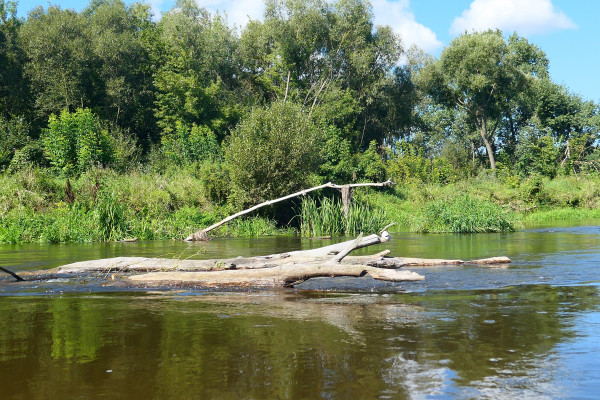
(74, 142)
(272, 153)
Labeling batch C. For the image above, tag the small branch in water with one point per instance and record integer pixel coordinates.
(17, 277)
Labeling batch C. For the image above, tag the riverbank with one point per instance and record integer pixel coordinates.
(102, 205)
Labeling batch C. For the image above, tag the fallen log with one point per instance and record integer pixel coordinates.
(275, 270)
(346, 194)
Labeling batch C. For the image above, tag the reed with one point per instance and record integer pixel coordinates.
(327, 218)
(464, 214)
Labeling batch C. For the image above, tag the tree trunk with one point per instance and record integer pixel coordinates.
(483, 132)
(203, 234)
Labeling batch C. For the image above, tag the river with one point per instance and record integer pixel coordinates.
(527, 330)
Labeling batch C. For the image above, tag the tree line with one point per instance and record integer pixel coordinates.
(313, 91)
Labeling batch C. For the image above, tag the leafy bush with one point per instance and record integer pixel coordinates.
(13, 136)
(185, 145)
(272, 153)
(537, 154)
(74, 142)
(30, 156)
(464, 214)
(215, 181)
(371, 165)
(410, 165)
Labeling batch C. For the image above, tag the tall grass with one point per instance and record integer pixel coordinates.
(464, 214)
(327, 218)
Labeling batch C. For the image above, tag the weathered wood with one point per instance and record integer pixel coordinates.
(399, 262)
(283, 270)
(278, 276)
(203, 233)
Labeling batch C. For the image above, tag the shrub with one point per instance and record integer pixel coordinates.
(187, 145)
(410, 165)
(13, 136)
(464, 214)
(75, 141)
(272, 153)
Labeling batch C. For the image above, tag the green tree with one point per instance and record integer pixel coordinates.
(272, 153)
(59, 64)
(14, 89)
(121, 41)
(329, 57)
(480, 73)
(197, 70)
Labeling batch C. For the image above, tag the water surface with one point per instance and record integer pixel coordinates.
(527, 330)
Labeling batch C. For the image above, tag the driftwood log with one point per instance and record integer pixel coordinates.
(346, 198)
(275, 270)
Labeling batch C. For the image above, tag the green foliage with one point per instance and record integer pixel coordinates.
(110, 215)
(371, 165)
(326, 218)
(28, 157)
(272, 153)
(339, 162)
(538, 154)
(464, 214)
(14, 135)
(74, 142)
(410, 165)
(215, 181)
(185, 146)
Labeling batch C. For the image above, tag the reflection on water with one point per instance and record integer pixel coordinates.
(498, 344)
(528, 330)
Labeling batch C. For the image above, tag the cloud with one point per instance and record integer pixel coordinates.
(398, 15)
(527, 17)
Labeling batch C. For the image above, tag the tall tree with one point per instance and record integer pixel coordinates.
(60, 60)
(198, 69)
(480, 73)
(14, 90)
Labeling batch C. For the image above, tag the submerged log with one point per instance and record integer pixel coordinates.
(275, 270)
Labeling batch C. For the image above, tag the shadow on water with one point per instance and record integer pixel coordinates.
(499, 343)
(527, 330)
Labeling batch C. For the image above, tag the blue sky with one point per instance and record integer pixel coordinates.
(567, 30)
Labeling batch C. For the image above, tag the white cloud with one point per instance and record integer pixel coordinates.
(239, 12)
(398, 15)
(526, 17)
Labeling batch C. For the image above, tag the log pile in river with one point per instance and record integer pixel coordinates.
(276, 270)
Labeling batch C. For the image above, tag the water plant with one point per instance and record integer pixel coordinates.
(464, 214)
(326, 218)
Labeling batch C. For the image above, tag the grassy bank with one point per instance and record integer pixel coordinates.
(101, 205)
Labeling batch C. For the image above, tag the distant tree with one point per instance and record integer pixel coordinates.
(60, 60)
(481, 74)
(14, 90)
(197, 71)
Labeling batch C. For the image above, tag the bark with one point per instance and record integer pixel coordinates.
(483, 132)
(203, 234)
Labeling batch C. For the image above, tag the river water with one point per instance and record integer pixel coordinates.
(528, 330)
